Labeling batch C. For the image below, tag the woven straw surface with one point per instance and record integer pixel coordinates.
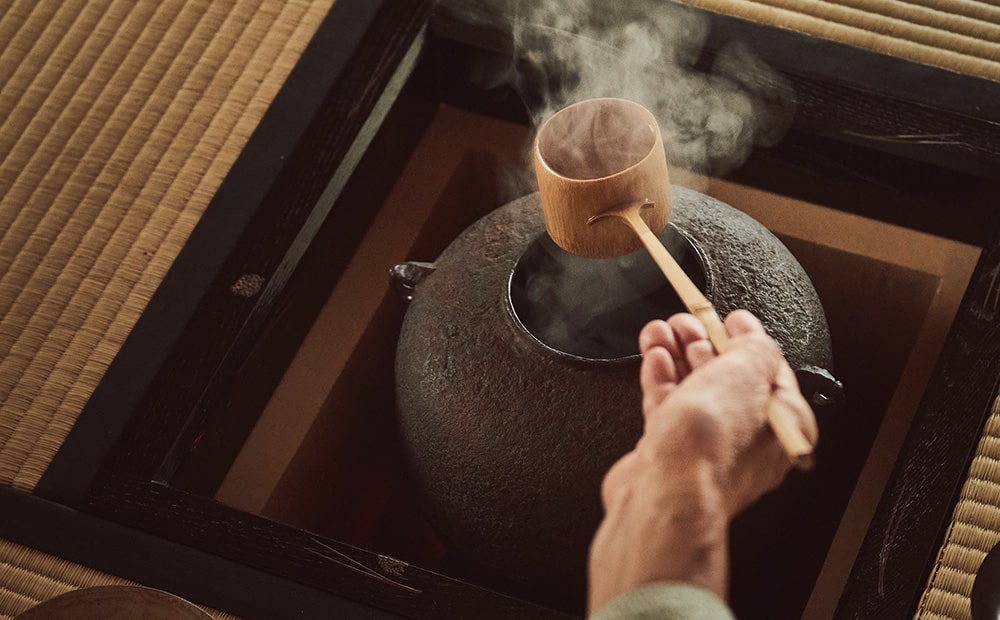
(118, 121)
(28, 577)
(974, 530)
(959, 35)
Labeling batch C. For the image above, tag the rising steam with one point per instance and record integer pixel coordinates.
(566, 51)
(645, 51)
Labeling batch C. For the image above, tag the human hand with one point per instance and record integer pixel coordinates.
(705, 454)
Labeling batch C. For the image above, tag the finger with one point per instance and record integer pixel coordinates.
(657, 368)
(692, 339)
(658, 334)
(787, 392)
(741, 322)
(687, 328)
(699, 353)
(661, 334)
(760, 355)
(657, 377)
(791, 418)
(655, 334)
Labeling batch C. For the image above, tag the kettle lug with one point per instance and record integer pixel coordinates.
(405, 277)
(820, 387)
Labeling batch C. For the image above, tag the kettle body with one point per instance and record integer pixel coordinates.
(509, 430)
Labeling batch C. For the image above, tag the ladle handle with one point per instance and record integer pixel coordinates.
(785, 427)
(692, 297)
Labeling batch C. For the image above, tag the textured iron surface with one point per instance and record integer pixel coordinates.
(509, 440)
(752, 269)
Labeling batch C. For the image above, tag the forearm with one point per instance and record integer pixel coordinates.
(666, 525)
(705, 454)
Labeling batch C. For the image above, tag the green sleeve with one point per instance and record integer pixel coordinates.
(665, 601)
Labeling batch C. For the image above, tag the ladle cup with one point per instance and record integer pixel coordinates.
(600, 162)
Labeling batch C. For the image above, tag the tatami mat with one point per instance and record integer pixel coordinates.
(118, 121)
(959, 35)
(28, 577)
(974, 530)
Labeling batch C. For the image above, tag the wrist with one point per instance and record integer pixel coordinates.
(690, 536)
(660, 525)
(698, 547)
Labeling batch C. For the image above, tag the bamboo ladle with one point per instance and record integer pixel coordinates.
(589, 156)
